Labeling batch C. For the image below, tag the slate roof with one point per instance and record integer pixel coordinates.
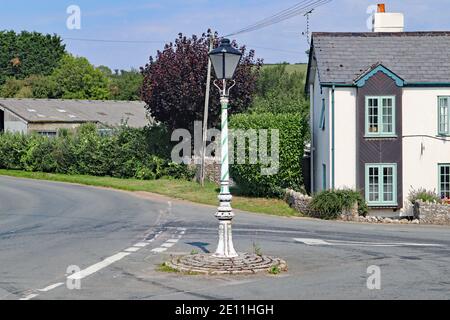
(78, 111)
(416, 57)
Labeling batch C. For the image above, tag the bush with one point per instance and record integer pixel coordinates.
(292, 130)
(13, 147)
(126, 153)
(329, 204)
(423, 195)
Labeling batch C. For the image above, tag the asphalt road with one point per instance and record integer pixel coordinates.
(117, 239)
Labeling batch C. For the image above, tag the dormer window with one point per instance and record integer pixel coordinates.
(380, 116)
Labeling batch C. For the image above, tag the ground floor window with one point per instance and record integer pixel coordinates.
(444, 180)
(324, 176)
(47, 133)
(381, 184)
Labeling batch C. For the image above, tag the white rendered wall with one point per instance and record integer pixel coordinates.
(321, 137)
(14, 123)
(345, 137)
(421, 155)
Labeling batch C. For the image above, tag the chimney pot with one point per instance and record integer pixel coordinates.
(381, 7)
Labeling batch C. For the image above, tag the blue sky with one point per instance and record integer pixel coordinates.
(156, 20)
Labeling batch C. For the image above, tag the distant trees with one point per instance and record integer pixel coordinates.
(175, 83)
(123, 85)
(28, 53)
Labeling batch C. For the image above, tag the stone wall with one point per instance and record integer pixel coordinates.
(298, 201)
(212, 169)
(432, 213)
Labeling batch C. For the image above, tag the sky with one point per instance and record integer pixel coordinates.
(161, 21)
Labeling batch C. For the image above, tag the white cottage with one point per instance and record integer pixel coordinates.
(380, 115)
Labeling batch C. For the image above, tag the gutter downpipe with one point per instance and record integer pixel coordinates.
(311, 125)
(332, 137)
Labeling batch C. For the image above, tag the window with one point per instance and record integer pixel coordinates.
(443, 116)
(322, 116)
(380, 116)
(381, 184)
(324, 176)
(444, 180)
(47, 133)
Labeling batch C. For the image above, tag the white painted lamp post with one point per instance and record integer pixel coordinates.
(225, 60)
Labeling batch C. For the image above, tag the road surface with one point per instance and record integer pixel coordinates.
(65, 241)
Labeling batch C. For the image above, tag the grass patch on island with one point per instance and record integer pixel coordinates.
(179, 189)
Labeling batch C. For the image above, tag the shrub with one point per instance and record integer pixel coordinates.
(292, 130)
(12, 148)
(329, 204)
(39, 155)
(423, 195)
(126, 153)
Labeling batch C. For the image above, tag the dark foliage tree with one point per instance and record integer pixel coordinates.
(175, 83)
(28, 53)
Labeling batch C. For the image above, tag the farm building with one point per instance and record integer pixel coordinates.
(46, 116)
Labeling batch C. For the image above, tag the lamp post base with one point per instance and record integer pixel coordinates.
(225, 248)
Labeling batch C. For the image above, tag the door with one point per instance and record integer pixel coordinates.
(2, 121)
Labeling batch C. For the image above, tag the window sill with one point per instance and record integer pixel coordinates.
(383, 205)
(380, 136)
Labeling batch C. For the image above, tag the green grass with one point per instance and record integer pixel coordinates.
(179, 189)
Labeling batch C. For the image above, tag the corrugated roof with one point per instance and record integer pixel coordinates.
(110, 113)
(416, 57)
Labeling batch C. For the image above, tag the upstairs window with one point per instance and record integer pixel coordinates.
(380, 116)
(443, 116)
(322, 116)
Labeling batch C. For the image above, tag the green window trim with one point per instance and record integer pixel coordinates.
(322, 116)
(377, 191)
(444, 180)
(443, 115)
(379, 121)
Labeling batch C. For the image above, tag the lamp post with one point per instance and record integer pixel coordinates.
(225, 60)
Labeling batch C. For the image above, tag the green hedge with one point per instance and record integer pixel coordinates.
(126, 153)
(329, 204)
(292, 132)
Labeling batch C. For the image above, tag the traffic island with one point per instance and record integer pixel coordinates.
(244, 263)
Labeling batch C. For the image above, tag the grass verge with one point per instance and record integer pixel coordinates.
(179, 189)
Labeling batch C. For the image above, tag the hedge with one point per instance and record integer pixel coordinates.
(293, 129)
(126, 153)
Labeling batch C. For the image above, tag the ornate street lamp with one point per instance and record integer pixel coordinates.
(225, 60)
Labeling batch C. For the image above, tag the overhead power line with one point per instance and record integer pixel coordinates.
(113, 41)
(298, 9)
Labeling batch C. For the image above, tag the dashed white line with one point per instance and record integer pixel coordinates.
(173, 240)
(98, 266)
(141, 244)
(167, 245)
(29, 297)
(159, 250)
(132, 249)
(51, 287)
(314, 242)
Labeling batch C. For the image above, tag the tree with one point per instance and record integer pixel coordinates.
(125, 85)
(280, 91)
(28, 53)
(76, 78)
(175, 83)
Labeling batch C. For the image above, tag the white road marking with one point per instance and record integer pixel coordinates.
(30, 296)
(51, 287)
(167, 245)
(98, 266)
(313, 242)
(132, 249)
(141, 244)
(173, 240)
(159, 250)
